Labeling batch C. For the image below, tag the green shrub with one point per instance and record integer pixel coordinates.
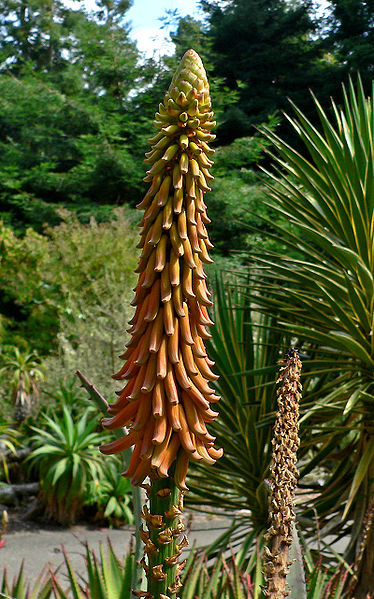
(66, 457)
(111, 494)
(22, 372)
(8, 442)
(66, 393)
(74, 272)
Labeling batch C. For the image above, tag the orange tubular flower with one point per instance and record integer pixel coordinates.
(166, 400)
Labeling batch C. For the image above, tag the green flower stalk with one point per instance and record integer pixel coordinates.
(166, 401)
(284, 476)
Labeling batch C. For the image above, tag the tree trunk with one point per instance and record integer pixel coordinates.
(9, 494)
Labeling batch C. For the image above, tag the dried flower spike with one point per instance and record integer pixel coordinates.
(284, 476)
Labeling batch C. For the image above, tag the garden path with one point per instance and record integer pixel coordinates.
(40, 547)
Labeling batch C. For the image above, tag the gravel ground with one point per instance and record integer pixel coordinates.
(39, 546)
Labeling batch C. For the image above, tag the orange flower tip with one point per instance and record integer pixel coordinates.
(196, 456)
(162, 472)
(117, 377)
(218, 453)
(103, 449)
(212, 414)
(214, 398)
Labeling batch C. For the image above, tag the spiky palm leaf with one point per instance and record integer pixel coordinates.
(246, 352)
(324, 295)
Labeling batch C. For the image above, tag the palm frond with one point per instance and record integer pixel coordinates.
(321, 291)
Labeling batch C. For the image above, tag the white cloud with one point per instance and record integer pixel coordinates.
(88, 5)
(152, 42)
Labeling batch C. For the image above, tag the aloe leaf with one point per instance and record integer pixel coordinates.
(77, 594)
(129, 567)
(109, 575)
(190, 583)
(58, 591)
(19, 587)
(259, 581)
(93, 581)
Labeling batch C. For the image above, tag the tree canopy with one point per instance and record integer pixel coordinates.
(266, 51)
(68, 130)
(351, 35)
(77, 98)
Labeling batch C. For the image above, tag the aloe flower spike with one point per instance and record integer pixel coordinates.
(167, 397)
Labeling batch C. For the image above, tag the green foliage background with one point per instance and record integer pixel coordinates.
(76, 107)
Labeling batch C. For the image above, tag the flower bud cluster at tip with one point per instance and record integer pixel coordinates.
(284, 476)
(166, 402)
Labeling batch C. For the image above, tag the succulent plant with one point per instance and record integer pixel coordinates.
(166, 401)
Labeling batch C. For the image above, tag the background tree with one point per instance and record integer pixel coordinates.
(265, 51)
(67, 125)
(351, 37)
(32, 35)
(59, 291)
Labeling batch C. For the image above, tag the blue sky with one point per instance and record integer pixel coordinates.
(144, 16)
(145, 25)
(147, 12)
